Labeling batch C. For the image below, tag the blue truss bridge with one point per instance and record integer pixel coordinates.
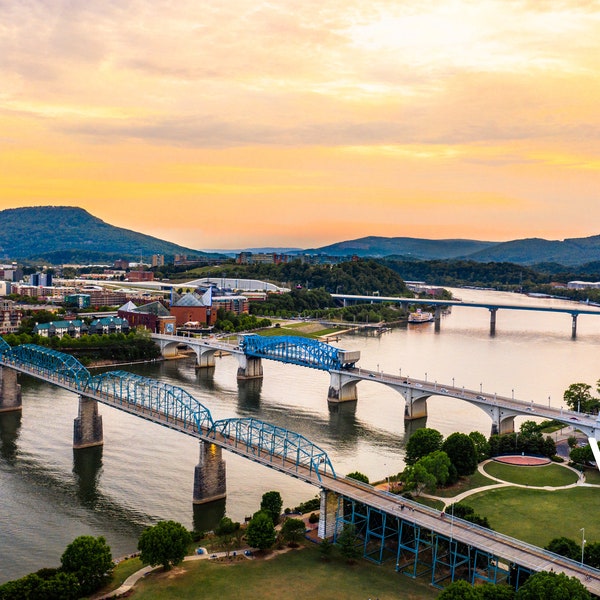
(416, 537)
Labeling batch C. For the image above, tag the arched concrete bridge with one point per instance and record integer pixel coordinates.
(416, 537)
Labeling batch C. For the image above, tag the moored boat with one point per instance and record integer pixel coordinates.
(420, 317)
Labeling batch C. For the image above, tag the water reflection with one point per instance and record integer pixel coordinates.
(207, 516)
(249, 395)
(10, 424)
(87, 466)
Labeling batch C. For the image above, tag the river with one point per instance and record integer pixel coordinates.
(50, 494)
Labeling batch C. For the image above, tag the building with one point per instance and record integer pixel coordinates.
(583, 285)
(74, 328)
(10, 317)
(194, 308)
(108, 325)
(78, 300)
(267, 258)
(158, 260)
(235, 304)
(140, 276)
(153, 316)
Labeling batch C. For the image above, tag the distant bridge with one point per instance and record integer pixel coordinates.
(418, 538)
(493, 307)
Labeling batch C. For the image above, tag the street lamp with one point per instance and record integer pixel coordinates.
(582, 542)
(481, 388)
(453, 382)
(513, 394)
(425, 376)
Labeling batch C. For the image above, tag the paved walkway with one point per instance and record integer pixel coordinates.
(502, 483)
(135, 577)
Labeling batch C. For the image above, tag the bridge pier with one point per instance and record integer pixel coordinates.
(503, 422)
(437, 318)
(250, 367)
(10, 390)
(574, 326)
(493, 312)
(87, 427)
(328, 514)
(205, 358)
(342, 388)
(210, 481)
(415, 408)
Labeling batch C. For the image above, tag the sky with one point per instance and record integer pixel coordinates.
(299, 124)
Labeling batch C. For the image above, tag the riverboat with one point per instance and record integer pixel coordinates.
(420, 317)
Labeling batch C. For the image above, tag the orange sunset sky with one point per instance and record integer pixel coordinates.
(302, 123)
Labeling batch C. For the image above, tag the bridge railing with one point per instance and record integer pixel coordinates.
(264, 439)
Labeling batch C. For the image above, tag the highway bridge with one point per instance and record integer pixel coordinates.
(421, 541)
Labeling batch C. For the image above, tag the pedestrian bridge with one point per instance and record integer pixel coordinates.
(389, 527)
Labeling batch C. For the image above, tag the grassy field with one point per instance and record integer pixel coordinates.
(553, 475)
(295, 575)
(538, 516)
(466, 483)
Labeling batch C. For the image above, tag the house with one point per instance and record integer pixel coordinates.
(109, 325)
(74, 328)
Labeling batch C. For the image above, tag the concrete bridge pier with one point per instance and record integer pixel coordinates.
(574, 326)
(328, 514)
(250, 367)
(210, 482)
(205, 358)
(87, 427)
(502, 421)
(493, 312)
(415, 407)
(10, 390)
(437, 318)
(342, 387)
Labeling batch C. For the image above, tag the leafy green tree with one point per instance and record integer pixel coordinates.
(349, 543)
(227, 527)
(499, 591)
(438, 464)
(552, 586)
(592, 555)
(418, 479)
(325, 549)
(460, 448)
(578, 397)
(582, 456)
(165, 544)
(422, 442)
(459, 590)
(272, 503)
(565, 547)
(358, 476)
(90, 560)
(482, 446)
(292, 531)
(260, 532)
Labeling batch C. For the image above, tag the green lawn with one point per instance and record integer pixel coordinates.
(592, 476)
(296, 575)
(538, 516)
(464, 484)
(551, 475)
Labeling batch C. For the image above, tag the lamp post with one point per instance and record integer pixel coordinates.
(425, 376)
(513, 394)
(453, 382)
(582, 542)
(481, 388)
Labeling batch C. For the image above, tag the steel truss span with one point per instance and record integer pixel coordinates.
(172, 402)
(170, 405)
(258, 437)
(291, 349)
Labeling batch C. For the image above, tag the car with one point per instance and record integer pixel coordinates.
(248, 552)
(444, 390)
(480, 397)
(418, 385)
(199, 550)
(574, 418)
(371, 375)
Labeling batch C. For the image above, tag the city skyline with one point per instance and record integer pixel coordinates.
(252, 124)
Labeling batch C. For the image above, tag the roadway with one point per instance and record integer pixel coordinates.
(504, 547)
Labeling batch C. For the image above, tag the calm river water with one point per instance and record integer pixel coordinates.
(144, 473)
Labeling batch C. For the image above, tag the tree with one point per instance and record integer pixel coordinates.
(422, 442)
(90, 560)
(460, 448)
(582, 456)
(358, 476)
(260, 532)
(292, 531)
(272, 503)
(565, 547)
(416, 477)
(438, 464)
(552, 586)
(578, 397)
(348, 543)
(482, 446)
(459, 590)
(498, 591)
(165, 544)
(325, 549)
(592, 555)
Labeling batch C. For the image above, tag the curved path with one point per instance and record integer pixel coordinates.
(503, 483)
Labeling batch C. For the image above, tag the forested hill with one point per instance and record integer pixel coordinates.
(61, 234)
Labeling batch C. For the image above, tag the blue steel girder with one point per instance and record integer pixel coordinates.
(4, 347)
(266, 439)
(45, 361)
(293, 349)
(174, 403)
